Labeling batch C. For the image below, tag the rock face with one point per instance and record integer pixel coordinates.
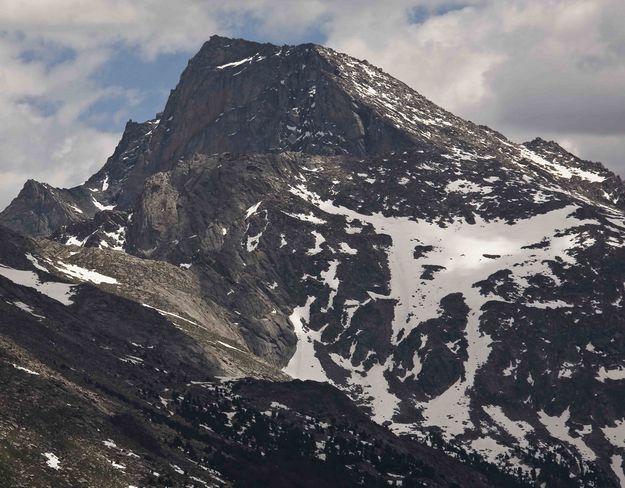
(294, 211)
(237, 96)
(39, 209)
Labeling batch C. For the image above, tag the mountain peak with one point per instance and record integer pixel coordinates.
(232, 45)
(539, 142)
(218, 50)
(556, 158)
(245, 97)
(39, 209)
(249, 97)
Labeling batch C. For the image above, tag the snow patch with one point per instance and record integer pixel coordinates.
(84, 274)
(27, 308)
(225, 344)
(516, 428)
(99, 206)
(560, 170)
(26, 370)
(331, 280)
(319, 240)
(459, 248)
(60, 292)
(556, 426)
(465, 186)
(105, 183)
(74, 241)
(346, 249)
(171, 314)
(617, 467)
(252, 210)
(610, 374)
(306, 218)
(52, 461)
(304, 364)
(35, 262)
(616, 435)
(236, 63)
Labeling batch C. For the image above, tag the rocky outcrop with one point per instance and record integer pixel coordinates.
(40, 209)
(588, 178)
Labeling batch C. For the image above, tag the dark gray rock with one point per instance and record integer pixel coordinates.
(40, 209)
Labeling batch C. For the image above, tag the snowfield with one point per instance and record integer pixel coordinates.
(463, 254)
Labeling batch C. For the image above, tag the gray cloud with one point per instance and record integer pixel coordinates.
(553, 68)
(565, 78)
(549, 68)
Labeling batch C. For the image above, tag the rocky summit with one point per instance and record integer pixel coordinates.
(304, 273)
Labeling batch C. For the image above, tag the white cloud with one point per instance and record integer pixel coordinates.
(152, 26)
(553, 68)
(43, 99)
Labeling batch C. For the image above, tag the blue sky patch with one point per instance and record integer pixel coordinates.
(147, 82)
(421, 13)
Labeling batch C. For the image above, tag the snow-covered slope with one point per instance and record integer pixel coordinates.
(485, 319)
(122, 380)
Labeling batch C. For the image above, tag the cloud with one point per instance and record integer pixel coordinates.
(152, 26)
(51, 54)
(40, 107)
(553, 68)
(550, 68)
(566, 77)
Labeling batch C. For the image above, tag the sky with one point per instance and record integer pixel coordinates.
(72, 72)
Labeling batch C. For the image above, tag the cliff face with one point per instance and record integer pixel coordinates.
(243, 97)
(297, 212)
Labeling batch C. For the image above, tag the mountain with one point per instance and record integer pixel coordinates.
(295, 212)
(103, 388)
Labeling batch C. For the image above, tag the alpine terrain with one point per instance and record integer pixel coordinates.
(304, 273)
